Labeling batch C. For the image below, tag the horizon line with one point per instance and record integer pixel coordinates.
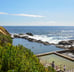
(25, 25)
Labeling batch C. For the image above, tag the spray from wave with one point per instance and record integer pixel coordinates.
(53, 39)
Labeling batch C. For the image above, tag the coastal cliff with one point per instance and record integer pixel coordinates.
(4, 36)
(4, 31)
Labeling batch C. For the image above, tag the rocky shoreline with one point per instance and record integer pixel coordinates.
(69, 44)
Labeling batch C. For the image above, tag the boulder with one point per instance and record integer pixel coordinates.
(39, 41)
(30, 39)
(24, 37)
(71, 48)
(46, 43)
(21, 34)
(29, 34)
(16, 36)
(71, 41)
(34, 40)
(64, 43)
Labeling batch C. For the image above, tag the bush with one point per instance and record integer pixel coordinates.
(4, 39)
(19, 59)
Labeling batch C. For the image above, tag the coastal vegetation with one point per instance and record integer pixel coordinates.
(18, 58)
(4, 39)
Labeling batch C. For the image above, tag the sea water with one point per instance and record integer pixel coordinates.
(51, 34)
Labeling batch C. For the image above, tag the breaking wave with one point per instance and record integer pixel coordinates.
(53, 39)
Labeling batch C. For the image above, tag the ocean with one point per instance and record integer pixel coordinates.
(51, 34)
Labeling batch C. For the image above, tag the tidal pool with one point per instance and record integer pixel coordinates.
(36, 48)
(59, 61)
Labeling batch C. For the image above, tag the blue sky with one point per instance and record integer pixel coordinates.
(37, 12)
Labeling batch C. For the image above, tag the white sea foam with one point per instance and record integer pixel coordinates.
(67, 31)
(48, 39)
(45, 38)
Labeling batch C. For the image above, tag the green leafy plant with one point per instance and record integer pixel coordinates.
(18, 58)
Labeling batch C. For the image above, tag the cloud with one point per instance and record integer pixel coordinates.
(27, 15)
(3, 13)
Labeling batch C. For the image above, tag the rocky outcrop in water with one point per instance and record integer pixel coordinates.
(69, 42)
(62, 44)
(66, 44)
(29, 34)
(26, 36)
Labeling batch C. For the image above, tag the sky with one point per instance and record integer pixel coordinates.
(36, 12)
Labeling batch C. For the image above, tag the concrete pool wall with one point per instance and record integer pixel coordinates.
(59, 59)
(57, 53)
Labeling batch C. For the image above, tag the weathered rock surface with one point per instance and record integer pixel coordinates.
(29, 34)
(46, 43)
(62, 44)
(69, 42)
(4, 31)
(66, 44)
(26, 36)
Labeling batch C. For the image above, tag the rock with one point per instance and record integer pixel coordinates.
(34, 40)
(16, 36)
(30, 39)
(46, 43)
(60, 46)
(25, 37)
(39, 41)
(71, 48)
(29, 34)
(21, 34)
(71, 41)
(64, 43)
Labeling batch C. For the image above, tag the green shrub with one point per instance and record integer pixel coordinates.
(19, 59)
(4, 39)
